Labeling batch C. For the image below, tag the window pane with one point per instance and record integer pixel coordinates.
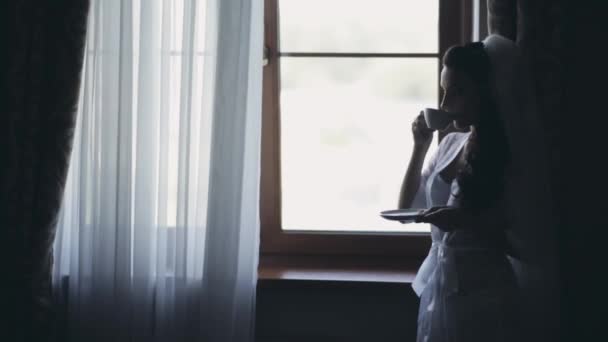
(405, 26)
(346, 138)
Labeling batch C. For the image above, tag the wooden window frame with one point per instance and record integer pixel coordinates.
(274, 240)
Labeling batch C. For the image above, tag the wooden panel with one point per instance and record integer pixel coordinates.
(338, 269)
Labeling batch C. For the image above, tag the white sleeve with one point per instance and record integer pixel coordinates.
(420, 200)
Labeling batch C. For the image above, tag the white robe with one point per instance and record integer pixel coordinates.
(466, 284)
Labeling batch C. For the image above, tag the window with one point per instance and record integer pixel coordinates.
(343, 82)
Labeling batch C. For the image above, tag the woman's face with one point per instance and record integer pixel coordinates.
(461, 97)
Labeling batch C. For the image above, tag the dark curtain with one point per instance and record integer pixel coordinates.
(42, 53)
(562, 41)
(537, 27)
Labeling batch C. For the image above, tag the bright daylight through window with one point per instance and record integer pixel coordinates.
(353, 78)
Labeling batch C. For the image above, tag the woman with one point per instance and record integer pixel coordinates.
(466, 285)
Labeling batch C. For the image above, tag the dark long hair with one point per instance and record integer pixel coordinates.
(482, 179)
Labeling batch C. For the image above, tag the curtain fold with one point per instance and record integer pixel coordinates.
(158, 234)
(502, 18)
(536, 27)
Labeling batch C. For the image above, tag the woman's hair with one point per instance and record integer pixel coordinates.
(482, 179)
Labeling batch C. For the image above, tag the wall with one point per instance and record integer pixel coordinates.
(296, 311)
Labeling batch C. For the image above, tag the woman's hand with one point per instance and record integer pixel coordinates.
(423, 135)
(447, 218)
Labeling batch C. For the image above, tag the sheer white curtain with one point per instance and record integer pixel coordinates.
(158, 236)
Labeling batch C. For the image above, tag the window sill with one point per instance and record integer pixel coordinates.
(333, 269)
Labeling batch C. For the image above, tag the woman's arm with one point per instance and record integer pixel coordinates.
(423, 136)
(453, 218)
(411, 181)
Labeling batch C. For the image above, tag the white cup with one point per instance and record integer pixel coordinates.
(437, 119)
